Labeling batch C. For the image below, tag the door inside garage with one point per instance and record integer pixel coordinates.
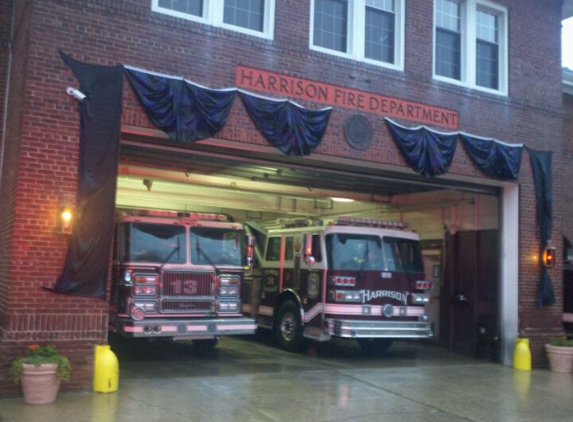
(458, 221)
(471, 285)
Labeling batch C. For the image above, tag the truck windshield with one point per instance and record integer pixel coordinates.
(348, 251)
(403, 255)
(216, 246)
(162, 243)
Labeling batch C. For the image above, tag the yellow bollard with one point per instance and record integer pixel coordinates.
(106, 370)
(522, 355)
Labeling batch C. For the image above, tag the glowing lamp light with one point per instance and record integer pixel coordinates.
(65, 223)
(549, 256)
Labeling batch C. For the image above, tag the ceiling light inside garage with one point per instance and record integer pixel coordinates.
(338, 199)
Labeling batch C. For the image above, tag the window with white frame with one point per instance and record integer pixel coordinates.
(366, 30)
(255, 17)
(470, 44)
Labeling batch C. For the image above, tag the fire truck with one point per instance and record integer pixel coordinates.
(178, 276)
(351, 278)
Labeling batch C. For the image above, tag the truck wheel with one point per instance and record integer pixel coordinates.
(373, 346)
(288, 330)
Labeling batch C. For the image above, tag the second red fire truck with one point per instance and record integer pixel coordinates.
(350, 278)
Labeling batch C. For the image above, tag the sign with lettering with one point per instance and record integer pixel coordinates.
(338, 96)
(368, 295)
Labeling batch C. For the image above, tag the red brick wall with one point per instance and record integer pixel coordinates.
(9, 181)
(40, 171)
(43, 133)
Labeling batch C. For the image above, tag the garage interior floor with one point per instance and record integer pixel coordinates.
(248, 379)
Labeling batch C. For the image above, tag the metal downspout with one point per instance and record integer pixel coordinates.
(8, 77)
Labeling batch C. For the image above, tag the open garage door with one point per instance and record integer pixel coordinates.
(261, 185)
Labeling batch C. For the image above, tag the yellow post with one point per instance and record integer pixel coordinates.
(522, 355)
(106, 370)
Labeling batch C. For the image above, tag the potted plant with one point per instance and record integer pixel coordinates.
(560, 354)
(40, 373)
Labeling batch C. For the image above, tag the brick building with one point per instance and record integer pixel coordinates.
(488, 69)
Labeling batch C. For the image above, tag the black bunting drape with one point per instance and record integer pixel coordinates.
(85, 269)
(294, 130)
(429, 153)
(184, 111)
(495, 158)
(543, 180)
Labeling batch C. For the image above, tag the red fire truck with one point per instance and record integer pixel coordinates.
(178, 276)
(351, 278)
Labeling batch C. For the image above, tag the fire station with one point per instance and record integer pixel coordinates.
(450, 116)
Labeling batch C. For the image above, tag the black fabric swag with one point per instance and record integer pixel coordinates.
(293, 129)
(495, 158)
(429, 153)
(184, 111)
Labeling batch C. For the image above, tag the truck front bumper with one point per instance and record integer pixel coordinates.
(352, 328)
(183, 329)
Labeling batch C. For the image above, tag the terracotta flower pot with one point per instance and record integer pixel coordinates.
(560, 358)
(40, 384)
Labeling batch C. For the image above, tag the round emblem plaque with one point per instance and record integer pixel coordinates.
(358, 132)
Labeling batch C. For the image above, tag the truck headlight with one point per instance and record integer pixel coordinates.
(145, 290)
(228, 306)
(146, 278)
(229, 291)
(345, 296)
(420, 299)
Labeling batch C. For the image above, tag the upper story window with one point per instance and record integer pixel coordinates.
(470, 44)
(366, 30)
(254, 17)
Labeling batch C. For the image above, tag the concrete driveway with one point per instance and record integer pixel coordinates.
(248, 379)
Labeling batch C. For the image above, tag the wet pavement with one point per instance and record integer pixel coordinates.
(248, 379)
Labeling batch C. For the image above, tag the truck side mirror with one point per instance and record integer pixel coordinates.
(308, 256)
(250, 251)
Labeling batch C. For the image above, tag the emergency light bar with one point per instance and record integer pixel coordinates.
(370, 222)
(424, 285)
(301, 222)
(175, 214)
(343, 281)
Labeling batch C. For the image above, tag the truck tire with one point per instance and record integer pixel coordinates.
(374, 346)
(288, 330)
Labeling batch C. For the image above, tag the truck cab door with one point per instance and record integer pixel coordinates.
(271, 270)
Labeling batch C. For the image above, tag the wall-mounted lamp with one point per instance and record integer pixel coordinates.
(66, 215)
(549, 255)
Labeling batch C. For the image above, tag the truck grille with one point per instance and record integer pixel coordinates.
(185, 292)
(185, 306)
(183, 284)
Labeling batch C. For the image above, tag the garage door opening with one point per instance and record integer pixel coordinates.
(451, 216)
